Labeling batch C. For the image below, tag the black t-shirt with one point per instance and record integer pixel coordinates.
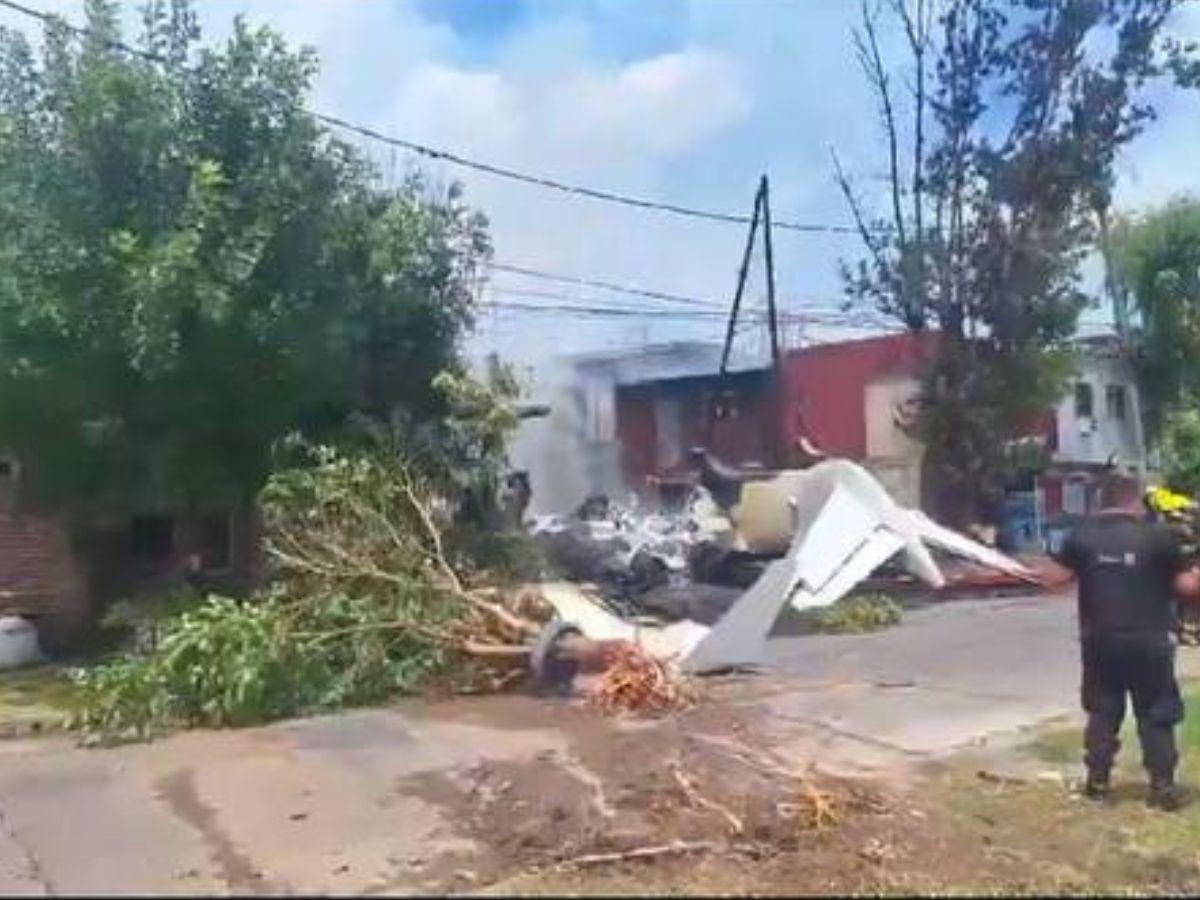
(1126, 569)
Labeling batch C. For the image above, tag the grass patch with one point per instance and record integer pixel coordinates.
(42, 695)
(1061, 746)
(1066, 843)
(856, 614)
(1064, 746)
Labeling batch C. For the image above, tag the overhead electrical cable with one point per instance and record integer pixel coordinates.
(461, 161)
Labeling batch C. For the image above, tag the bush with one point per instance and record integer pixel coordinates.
(232, 663)
(141, 619)
(366, 604)
(857, 614)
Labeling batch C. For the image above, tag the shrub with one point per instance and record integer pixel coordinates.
(232, 663)
(857, 614)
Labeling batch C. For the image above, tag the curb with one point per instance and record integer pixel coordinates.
(27, 728)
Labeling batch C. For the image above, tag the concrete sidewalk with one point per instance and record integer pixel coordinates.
(336, 804)
(950, 677)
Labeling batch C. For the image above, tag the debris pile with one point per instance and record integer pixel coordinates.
(620, 549)
(807, 538)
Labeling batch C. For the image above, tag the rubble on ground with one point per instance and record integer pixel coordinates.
(670, 585)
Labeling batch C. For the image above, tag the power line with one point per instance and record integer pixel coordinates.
(807, 305)
(594, 193)
(591, 312)
(569, 304)
(575, 189)
(465, 162)
(603, 285)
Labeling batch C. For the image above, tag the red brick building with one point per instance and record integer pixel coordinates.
(841, 398)
(44, 577)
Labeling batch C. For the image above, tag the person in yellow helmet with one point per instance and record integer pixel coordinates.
(1130, 573)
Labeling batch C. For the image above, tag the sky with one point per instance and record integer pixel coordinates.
(684, 101)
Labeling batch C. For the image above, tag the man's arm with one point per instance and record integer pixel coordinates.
(1187, 585)
(1068, 553)
(1185, 578)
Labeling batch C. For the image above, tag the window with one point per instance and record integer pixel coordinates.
(1083, 401)
(725, 405)
(151, 538)
(1075, 494)
(1114, 402)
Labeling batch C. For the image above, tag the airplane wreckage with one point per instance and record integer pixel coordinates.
(819, 532)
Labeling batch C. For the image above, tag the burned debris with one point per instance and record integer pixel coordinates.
(672, 585)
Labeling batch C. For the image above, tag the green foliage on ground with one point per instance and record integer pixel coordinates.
(192, 267)
(367, 600)
(231, 663)
(857, 614)
(352, 617)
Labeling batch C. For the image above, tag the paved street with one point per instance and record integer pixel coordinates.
(949, 676)
(334, 803)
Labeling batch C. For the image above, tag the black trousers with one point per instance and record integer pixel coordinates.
(1144, 668)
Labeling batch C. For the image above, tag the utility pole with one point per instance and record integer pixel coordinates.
(762, 212)
(776, 430)
(772, 317)
(741, 282)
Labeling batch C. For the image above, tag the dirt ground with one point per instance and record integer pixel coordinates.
(713, 816)
(854, 767)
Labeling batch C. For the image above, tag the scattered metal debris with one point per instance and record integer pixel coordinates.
(842, 526)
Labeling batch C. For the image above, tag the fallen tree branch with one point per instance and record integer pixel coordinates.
(596, 859)
(466, 645)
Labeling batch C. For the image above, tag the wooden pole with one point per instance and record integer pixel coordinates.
(764, 191)
(741, 283)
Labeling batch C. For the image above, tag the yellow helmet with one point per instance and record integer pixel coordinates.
(1166, 501)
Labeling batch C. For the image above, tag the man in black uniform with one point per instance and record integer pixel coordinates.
(1128, 571)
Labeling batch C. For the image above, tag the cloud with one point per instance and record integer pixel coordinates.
(587, 120)
(687, 101)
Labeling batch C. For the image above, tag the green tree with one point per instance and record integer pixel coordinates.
(1180, 440)
(1157, 260)
(191, 267)
(1017, 111)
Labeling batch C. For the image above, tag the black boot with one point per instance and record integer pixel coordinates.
(1097, 786)
(1164, 794)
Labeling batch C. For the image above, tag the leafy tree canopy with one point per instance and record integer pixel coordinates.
(1001, 134)
(190, 267)
(1181, 447)
(1157, 256)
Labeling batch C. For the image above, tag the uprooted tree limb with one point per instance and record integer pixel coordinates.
(369, 524)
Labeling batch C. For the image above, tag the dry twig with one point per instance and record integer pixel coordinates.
(637, 682)
(593, 859)
(688, 786)
(818, 806)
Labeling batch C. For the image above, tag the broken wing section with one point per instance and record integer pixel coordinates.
(844, 542)
(947, 539)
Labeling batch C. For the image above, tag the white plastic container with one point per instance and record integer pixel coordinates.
(18, 643)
